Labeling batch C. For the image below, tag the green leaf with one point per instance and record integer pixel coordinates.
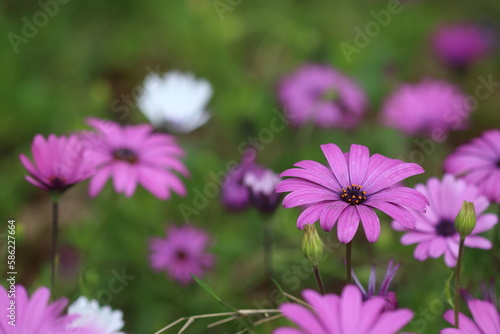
(206, 287)
(280, 289)
(447, 290)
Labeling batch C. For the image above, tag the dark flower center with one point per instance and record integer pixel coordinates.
(498, 163)
(181, 255)
(57, 182)
(445, 228)
(353, 194)
(125, 154)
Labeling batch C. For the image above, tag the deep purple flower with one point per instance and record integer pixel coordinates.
(261, 183)
(460, 45)
(182, 252)
(435, 232)
(349, 189)
(133, 154)
(478, 162)
(348, 313)
(486, 319)
(322, 95)
(389, 296)
(59, 163)
(428, 107)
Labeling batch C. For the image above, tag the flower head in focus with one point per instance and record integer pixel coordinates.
(322, 95)
(349, 189)
(347, 313)
(101, 320)
(485, 319)
(134, 154)
(430, 107)
(478, 162)
(59, 163)
(435, 232)
(182, 252)
(175, 100)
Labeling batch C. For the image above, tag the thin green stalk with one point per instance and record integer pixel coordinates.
(55, 235)
(268, 242)
(348, 258)
(457, 278)
(317, 275)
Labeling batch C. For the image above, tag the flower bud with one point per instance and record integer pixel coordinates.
(312, 245)
(466, 219)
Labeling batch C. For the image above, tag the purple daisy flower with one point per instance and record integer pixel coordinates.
(435, 232)
(182, 252)
(59, 163)
(348, 313)
(460, 45)
(349, 189)
(486, 319)
(261, 183)
(389, 296)
(426, 107)
(322, 95)
(478, 162)
(133, 154)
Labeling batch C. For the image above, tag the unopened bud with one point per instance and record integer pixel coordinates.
(312, 245)
(466, 219)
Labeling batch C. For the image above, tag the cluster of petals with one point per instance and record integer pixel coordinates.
(485, 319)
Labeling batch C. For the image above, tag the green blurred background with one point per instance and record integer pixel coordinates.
(90, 58)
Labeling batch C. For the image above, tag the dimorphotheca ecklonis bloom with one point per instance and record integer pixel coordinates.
(133, 154)
(478, 162)
(59, 162)
(486, 319)
(322, 95)
(175, 100)
(429, 108)
(349, 189)
(435, 232)
(347, 313)
(182, 252)
(101, 320)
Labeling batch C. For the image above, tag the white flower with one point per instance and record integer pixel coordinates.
(102, 320)
(176, 100)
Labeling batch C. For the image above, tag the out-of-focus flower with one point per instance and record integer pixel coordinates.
(485, 319)
(59, 163)
(175, 100)
(133, 154)
(435, 232)
(349, 189)
(250, 183)
(478, 162)
(88, 314)
(322, 95)
(182, 252)
(389, 296)
(460, 45)
(348, 313)
(488, 293)
(425, 107)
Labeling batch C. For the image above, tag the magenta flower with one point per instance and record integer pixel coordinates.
(486, 319)
(426, 107)
(347, 313)
(133, 154)
(59, 163)
(183, 252)
(322, 95)
(435, 232)
(460, 45)
(478, 162)
(349, 189)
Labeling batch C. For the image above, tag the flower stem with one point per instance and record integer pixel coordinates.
(457, 278)
(317, 275)
(55, 233)
(348, 258)
(268, 242)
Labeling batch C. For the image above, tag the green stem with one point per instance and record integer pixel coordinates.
(317, 275)
(55, 234)
(348, 258)
(457, 278)
(268, 242)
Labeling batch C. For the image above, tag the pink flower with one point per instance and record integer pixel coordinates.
(478, 162)
(435, 232)
(348, 313)
(428, 107)
(59, 163)
(182, 252)
(459, 45)
(133, 154)
(322, 95)
(486, 319)
(349, 189)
